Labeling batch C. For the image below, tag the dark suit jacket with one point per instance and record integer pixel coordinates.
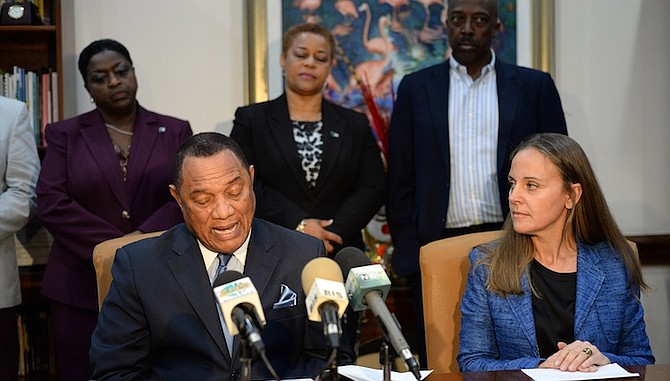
(419, 163)
(82, 197)
(160, 319)
(351, 185)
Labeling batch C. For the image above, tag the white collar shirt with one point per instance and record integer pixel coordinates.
(473, 142)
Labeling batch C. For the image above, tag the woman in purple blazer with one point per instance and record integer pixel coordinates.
(561, 288)
(105, 175)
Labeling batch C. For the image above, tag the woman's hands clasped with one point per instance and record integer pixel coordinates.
(317, 228)
(579, 356)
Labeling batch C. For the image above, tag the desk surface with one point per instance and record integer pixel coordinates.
(647, 373)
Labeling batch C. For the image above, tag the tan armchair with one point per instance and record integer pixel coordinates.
(444, 271)
(103, 258)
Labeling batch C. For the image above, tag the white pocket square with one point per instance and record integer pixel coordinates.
(287, 298)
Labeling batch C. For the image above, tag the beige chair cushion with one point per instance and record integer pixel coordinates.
(103, 258)
(444, 271)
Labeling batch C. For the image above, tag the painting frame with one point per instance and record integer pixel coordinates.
(536, 42)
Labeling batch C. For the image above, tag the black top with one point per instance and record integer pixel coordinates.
(554, 309)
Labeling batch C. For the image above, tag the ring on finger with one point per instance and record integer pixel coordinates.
(588, 352)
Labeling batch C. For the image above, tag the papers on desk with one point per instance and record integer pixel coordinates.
(361, 373)
(605, 371)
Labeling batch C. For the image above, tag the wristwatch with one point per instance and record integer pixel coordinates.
(301, 226)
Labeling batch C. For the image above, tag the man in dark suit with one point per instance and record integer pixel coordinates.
(160, 319)
(453, 128)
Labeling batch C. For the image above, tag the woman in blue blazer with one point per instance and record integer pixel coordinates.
(561, 288)
(318, 167)
(105, 174)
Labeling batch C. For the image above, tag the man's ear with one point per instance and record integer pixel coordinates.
(499, 26)
(175, 194)
(251, 173)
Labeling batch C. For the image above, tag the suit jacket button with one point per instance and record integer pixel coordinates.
(235, 375)
(125, 215)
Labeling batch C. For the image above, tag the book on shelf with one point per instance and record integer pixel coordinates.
(39, 90)
(54, 97)
(34, 345)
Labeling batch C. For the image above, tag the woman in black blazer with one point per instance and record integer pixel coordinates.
(318, 167)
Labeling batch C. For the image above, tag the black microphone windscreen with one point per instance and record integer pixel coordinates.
(227, 277)
(351, 257)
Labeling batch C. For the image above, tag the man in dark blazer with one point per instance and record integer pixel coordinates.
(160, 319)
(421, 158)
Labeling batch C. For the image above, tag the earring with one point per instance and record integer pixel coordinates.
(92, 100)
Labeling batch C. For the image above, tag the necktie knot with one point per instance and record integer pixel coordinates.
(223, 263)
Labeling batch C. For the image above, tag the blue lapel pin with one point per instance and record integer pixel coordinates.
(334, 134)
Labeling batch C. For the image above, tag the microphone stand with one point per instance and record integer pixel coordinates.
(245, 358)
(333, 366)
(385, 360)
(330, 372)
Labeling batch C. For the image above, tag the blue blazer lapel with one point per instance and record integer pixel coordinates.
(522, 307)
(282, 131)
(188, 269)
(589, 282)
(509, 90)
(437, 92)
(95, 136)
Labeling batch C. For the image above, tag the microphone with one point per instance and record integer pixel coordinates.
(326, 297)
(241, 307)
(368, 286)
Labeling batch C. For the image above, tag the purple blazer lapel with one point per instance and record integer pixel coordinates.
(95, 136)
(147, 129)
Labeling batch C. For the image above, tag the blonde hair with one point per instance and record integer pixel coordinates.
(590, 220)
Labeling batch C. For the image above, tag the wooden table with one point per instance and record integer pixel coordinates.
(647, 373)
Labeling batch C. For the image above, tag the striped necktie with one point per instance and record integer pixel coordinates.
(223, 263)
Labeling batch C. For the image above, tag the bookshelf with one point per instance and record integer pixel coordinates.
(35, 49)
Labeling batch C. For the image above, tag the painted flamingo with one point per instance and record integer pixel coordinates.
(379, 45)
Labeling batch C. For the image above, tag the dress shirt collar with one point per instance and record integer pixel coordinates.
(455, 65)
(210, 257)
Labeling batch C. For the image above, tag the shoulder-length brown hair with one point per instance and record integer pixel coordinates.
(590, 220)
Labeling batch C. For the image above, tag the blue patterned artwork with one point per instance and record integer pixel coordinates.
(383, 40)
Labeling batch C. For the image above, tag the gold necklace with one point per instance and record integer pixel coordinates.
(120, 131)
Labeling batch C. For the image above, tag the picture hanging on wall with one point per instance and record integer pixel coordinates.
(378, 43)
